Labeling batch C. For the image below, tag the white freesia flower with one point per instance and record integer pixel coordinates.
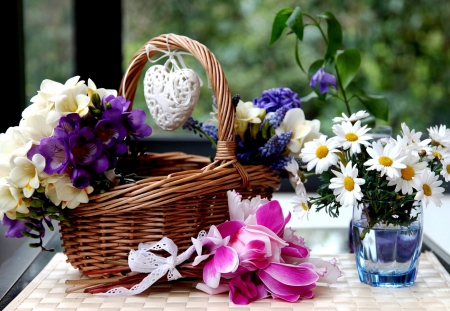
(405, 182)
(92, 88)
(302, 130)
(346, 185)
(446, 169)
(351, 136)
(387, 159)
(71, 98)
(320, 153)
(246, 113)
(70, 196)
(11, 200)
(427, 186)
(25, 173)
(35, 128)
(353, 117)
(13, 143)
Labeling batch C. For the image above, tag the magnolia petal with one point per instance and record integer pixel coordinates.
(222, 288)
(230, 228)
(332, 270)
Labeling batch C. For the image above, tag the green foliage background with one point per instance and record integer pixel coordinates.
(405, 48)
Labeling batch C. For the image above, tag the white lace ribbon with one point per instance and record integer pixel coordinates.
(144, 261)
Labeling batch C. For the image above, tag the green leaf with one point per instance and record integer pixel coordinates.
(309, 97)
(315, 66)
(347, 64)
(334, 34)
(297, 57)
(295, 22)
(279, 23)
(377, 105)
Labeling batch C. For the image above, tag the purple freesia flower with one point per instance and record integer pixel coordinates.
(85, 147)
(15, 227)
(56, 153)
(273, 99)
(323, 79)
(110, 132)
(134, 121)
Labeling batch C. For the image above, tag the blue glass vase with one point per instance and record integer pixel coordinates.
(387, 255)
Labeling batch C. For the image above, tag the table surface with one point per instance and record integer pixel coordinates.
(430, 292)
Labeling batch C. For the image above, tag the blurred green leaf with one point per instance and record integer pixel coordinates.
(377, 105)
(297, 57)
(347, 64)
(279, 23)
(334, 33)
(295, 22)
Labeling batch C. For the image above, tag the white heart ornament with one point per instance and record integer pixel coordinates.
(171, 95)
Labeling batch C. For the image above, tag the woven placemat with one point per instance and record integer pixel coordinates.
(430, 292)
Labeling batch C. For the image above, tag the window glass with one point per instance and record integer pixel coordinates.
(48, 40)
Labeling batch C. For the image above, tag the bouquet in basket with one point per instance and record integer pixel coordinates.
(65, 147)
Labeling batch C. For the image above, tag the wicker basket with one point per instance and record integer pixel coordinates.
(184, 193)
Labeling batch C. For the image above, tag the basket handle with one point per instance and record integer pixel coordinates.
(226, 145)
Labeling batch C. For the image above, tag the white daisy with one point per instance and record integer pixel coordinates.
(387, 159)
(438, 152)
(446, 169)
(346, 185)
(351, 136)
(292, 168)
(353, 118)
(427, 186)
(320, 153)
(405, 182)
(301, 204)
(412, 138)
(440, 135)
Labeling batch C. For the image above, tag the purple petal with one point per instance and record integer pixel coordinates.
(15, 227)
(270, 215)
(101, 164)
(56, 154)
(80, 177)
(226, 259)
(135, 123)
(85, 147)
(110, 132)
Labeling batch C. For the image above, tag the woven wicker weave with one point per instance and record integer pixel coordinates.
(183, 193)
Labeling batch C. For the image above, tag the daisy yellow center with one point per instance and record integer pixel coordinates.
(408, 173)
(349, 183)
(351, 137)
(305, 207)
(437, 154)
(385, 161)
(447, 168)
(427, 190)
(322, 152)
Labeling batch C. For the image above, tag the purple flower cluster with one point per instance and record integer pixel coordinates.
(273, 99)
(83, 147)
(275, 145)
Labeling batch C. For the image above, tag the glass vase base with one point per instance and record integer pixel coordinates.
(388, 280)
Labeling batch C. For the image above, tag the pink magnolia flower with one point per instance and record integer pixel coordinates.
(247, 288)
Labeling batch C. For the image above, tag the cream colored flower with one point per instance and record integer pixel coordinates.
(302, 130)
(427, 186)
(25, 173)
(247, 113)
(70, 196)
(13, 143)
(92, 88)
(12, 200)
(320, 153)
(353, 117)
(387, 160)
(351, 136)
(346, 185)
(405, 182)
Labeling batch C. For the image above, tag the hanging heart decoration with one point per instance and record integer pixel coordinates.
(171, 94)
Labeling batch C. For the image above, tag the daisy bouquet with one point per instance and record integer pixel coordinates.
(251, 257)
(65, 147)
(392, 173)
